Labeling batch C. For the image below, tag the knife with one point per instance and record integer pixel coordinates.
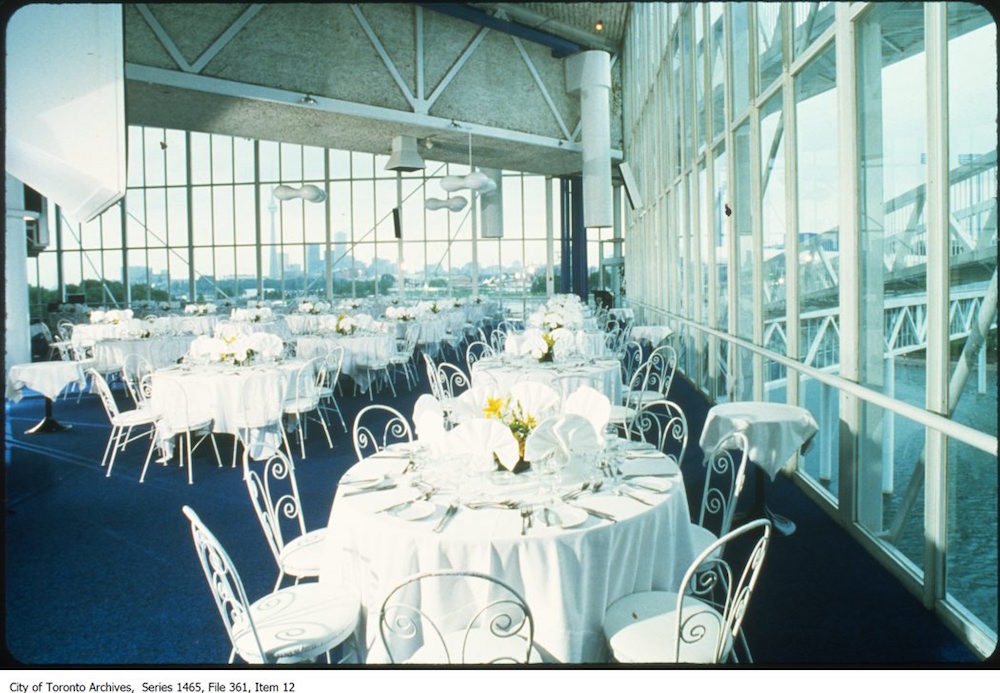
(598, 513)
(448, 514)
(370, 490)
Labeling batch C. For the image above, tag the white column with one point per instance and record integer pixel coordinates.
(17, 334)
(589, 73)
(549, 241)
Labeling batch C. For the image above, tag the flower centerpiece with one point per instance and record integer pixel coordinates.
(230, 345)
(346, 325)
(164, 306)
(404, 313)
(310, 308)
(458, 303)
(540, 346)
(513, 416)
(199, 308)
(435, 308)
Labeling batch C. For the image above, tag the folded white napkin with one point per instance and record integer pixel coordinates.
(483, 438)
(562, 435)
(537, 399)
(470, 404)
(428, 420)
(591, 404)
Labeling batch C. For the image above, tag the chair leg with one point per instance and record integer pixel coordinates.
(119, 445)
(302, 442)
(107, 448)
(190, 462)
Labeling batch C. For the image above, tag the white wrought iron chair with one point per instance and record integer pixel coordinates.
(134, 368)
(662, 364)
(302, 399)
(393, 426)
(622, 414)
(453, 380)
(180, 424)
(263, 399)
(699, 623)
(475, 351)
(725, 474)
(288, 626)
(275, 497)
(663, 424)
(334, 364)
(403, 359)
(481, 620)
(122, 422)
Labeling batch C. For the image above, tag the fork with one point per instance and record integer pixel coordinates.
(525, 516)
(577, 492)
(448, 514)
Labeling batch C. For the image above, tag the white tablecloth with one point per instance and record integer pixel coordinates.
(160, 351)
(46, 377)
(504, 371)
(360, 350)
(88, 334)
(567, 576)
(215, 392)
(774, 431)
(591, 344)
(311, 323)
(654, 334)
(185, 324)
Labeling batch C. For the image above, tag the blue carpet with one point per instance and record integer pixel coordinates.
(101, 571)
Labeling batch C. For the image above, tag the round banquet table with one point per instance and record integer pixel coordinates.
(568, 575)
(214, 391)
(505, 370)
(591, 344)
(159, 351)
(49, 378)
(360, 350)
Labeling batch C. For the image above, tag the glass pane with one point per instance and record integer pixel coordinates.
(134, 165)
(717, 68)
(340, 164)
(291, 163)
(222, 215)
(290, 220)
(200, 154)
(972, 475)
(222, 159)
(512, 227)
(811, 20)
(699, 74)
(268, 161)
(314, 218)
(111, 227)
(313, 168)
(201, 213)
(891, 94)
(176, 157)
(362, 165)
(741, 58)
(173, 228)
(772, 165)
(768, 42)
(720, 204)
(242, 160)
(743, 262)
(154, 146)
(246, 208)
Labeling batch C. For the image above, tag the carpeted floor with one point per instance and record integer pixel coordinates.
(101, 571)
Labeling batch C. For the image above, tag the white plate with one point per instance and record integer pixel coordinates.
(417, 510)
(370, 482)
(570, 516)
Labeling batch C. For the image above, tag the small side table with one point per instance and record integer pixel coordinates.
(774, 431)
(49, 378)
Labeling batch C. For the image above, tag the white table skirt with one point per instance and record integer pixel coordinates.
(568, 577)
(160, 351)
(360, 350)
(774, 431)
(502, 371)
(47, 377)
(653, 334)
(215, 392)
(185, 324)
(589, 344)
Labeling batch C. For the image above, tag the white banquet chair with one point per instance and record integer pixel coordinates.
(134, 368)
(303, 399)
(700, 622)
(122, 422)
(660, 368)
(725, 474)
(475, 351)
(178, 423)
(334, 365)
(263, 400)
(662, 423)
(393, 426)
(482, 621)
(275, 497)
(403, 358)
(453, 380)
(622, 414)
(288, 626)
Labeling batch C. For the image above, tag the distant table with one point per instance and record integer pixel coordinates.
(49, 378)
(654, 334)
(505, 370)
(774, 432)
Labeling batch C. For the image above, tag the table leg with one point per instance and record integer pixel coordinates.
(781, 524)
(48, 424)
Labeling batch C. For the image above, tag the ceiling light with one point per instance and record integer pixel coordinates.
(452, 204)
(307, 100)
(308, 192)
(599, 25)
(404, 156)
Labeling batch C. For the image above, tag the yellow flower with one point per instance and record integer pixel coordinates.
(494, 407)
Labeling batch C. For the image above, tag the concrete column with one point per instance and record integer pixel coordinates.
(17, 334)
(589, 73)
(579, 239)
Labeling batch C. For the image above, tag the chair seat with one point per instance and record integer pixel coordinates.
(301, 557)
(701, 539)
(480, 648)
(642, 628)
(134, 417)
(632, 398)
(298, 624)
(299, 405)
(621, 414)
